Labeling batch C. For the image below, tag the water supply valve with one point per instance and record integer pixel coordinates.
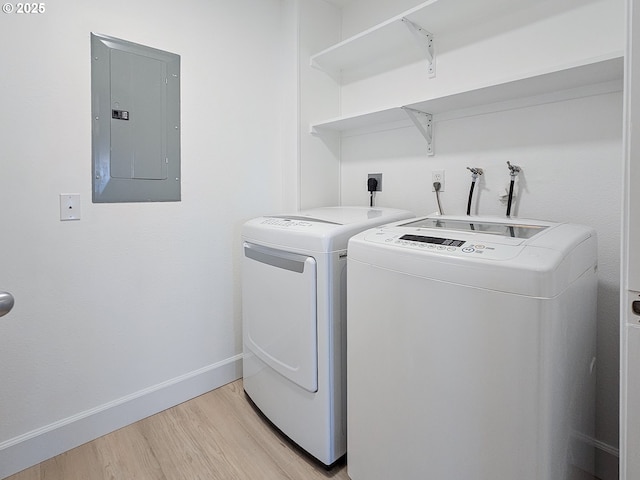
(475, 172)
(513, 170)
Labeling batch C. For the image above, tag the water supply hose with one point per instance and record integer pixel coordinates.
(513, 173)
(474, 176)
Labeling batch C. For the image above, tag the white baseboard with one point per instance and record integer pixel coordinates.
(34, 447)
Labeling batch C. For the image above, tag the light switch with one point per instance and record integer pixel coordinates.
(69, 206)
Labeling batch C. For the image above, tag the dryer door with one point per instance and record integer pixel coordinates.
(279, 312)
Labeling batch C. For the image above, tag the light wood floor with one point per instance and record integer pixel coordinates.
(218, 435)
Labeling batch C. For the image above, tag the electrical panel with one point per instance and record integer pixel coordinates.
(136, 122)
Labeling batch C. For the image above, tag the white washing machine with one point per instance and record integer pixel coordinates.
(471, 350)
(293, 318)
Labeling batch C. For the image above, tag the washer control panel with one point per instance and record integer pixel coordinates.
(447, 242)
(432, 243)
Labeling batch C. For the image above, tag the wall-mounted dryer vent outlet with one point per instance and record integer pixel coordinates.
(378, 177)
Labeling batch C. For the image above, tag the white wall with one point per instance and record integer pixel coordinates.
(136, 306)
(319, 166)
(570, 151)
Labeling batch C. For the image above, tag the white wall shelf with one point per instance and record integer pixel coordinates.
(391, 42)
(590, 77)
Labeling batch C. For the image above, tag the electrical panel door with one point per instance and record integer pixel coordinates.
(136, 122)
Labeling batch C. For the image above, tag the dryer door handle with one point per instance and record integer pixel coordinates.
(276, 258)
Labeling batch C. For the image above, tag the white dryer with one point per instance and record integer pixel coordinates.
(293, 318)
(471, 350)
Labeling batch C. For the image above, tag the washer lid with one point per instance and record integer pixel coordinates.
(504, 229)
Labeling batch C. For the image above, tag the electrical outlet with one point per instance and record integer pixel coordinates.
(378, 177)
(437, 176)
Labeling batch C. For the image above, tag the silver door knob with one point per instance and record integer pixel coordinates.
(6, 303)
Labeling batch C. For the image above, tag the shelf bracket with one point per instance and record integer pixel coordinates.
(425, 40)
(424, 123)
